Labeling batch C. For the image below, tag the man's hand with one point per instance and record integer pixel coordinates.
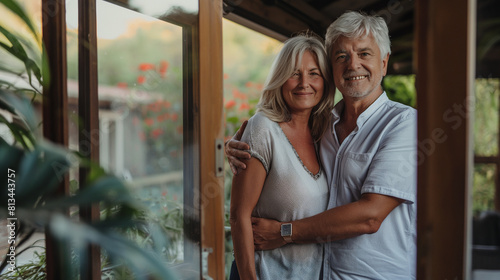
(235, 150)
(266, 234)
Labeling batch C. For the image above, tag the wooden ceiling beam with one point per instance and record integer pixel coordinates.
(269, 16)
(339, 7)
(311, 11)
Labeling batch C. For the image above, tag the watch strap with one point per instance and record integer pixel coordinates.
(288, 239)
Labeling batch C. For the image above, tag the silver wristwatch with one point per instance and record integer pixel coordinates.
(286, 232)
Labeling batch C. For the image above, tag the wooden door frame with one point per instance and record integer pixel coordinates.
(211, 129)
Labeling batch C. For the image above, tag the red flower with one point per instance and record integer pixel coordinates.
(146, 66)
(230, 104)
(156, 133)
(163, 117)
(249, 84)
(163, 68)
(149, 122)
(226, 76)
(154, 107)
(141, 79)
(244, 106)
(179, 129)
(238, 94)
(174, 117)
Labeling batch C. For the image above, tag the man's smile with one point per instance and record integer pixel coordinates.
(356, 78)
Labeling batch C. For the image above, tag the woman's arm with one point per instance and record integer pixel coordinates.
(245, 193)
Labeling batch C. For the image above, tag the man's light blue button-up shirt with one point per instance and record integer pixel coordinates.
(379, 156)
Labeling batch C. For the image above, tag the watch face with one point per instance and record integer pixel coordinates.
(286, 229)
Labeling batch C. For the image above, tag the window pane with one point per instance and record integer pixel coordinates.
(141, 91)
(486, 117)
(142, 88)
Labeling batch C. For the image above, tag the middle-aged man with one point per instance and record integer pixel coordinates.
(368, 154)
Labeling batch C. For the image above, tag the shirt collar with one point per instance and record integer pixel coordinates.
(337, 110)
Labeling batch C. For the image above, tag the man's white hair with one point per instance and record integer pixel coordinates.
(359, 25)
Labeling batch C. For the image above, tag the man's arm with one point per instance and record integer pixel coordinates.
(235, 150)
(360, 217)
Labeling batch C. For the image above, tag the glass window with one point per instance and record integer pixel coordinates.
(143, 84)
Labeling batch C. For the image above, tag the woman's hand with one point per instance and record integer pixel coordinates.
(235, 151)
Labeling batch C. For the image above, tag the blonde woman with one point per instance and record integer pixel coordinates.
(284, 179)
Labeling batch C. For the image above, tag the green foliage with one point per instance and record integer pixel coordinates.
(486, 108)
(34, 270)
(401, 88)
(38, 173)
(483, 188)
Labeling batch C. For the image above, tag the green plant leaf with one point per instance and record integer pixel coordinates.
(20, 133)
(19, 11)
(40, 172)
(11, 157)
(19, 106)
(18, 51)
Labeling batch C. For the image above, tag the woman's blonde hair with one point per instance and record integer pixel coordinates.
(272, 104)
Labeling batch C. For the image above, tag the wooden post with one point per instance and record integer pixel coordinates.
(445, 37)
(211, 128)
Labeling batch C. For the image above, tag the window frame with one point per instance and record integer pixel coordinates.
(202, 46)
